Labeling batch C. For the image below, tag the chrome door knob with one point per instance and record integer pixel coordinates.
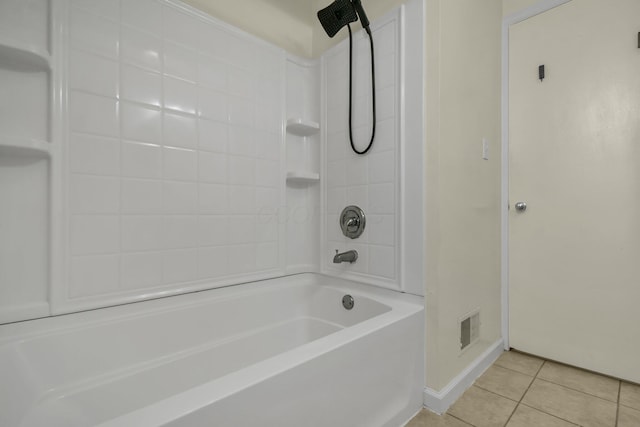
(521, 206)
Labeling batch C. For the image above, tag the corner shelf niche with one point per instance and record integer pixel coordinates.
(299, 177)
(301, 127)
(21, 57)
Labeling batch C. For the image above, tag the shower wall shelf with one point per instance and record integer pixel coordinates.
(301, 127)
(24, 146)
(302, 177)
(21, 57)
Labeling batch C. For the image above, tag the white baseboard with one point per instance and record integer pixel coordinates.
(440, 401)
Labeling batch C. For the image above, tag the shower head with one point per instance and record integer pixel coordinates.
(337, 15)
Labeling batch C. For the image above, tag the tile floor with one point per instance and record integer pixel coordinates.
(524, 391)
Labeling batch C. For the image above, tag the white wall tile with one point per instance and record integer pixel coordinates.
(385, 135)
(180, 266)
(242, 141)
(212, 136)
(141, 270)
(180, 95)
(242, 171)
(180, 197)
(242, 200)
(268, 145)
(381, 229)
(141, 86)
(213, 105)
(212, 167)
(381, 199)
(267, 173)
(242, 259)
(213, 230)
(93, 114)
(141, 123)
(382, 261)
(93, 33)
(93, 73)
(106, 9)
(180, 164)
(358, 196)
(141, 196)
(357, 169)
(142, 14)
(213, 199)
(382, 167)
(213, 262)
(266, 228)
(337, 174)
(142, 233)
(266, 256)
(362, 263)
(180, 130)
(242, 229)
(386, 103)
(89, 194)
(267, 201)
(180, 62)
(212, 73)
(141, 49)
(141, 160)
(173, 128)
(94, 275)
(94, 234)
(180, 231)
(240, 111)
(94, 154)
(336, 200)
(386, 71)
(240, 82)
(180, 28)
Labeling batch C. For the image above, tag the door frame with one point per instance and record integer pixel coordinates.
(519, 16)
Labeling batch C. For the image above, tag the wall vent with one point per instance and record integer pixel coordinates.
(469, 329)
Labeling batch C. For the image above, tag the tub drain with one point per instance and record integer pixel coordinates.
(348, 302)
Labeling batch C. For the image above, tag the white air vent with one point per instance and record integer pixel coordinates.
(469, 329)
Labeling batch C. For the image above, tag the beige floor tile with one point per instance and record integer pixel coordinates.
(505, 382)
(571, 405)
(630, 395)
(523, 363)
(482, 408)
(577, 379)
(529, 417)
(628, 417)
(429, 419)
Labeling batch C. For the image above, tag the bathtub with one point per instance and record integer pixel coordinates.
(281, 352)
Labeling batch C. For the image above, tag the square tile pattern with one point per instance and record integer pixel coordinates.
(174, 149)
(520, 390)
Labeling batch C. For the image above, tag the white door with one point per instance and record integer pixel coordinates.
(574, 159)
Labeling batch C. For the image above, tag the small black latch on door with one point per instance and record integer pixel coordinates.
(541, 72)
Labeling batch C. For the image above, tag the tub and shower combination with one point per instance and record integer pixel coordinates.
(281, 352)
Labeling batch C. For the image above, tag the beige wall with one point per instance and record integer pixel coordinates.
(511, 6)
(286, 23)
(463, 190)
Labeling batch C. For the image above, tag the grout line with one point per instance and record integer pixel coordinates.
(551, 415)
(618, 403)
(459, 419)
(579, 391)
(525, 392)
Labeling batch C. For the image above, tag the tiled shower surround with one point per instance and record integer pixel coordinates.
(174, 155)
(369, 181)
(174, 149)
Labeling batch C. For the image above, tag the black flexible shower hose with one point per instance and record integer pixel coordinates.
(373, 91)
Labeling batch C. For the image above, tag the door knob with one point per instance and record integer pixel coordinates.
(521, 206)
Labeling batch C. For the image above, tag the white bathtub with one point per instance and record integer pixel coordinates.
(281, 352)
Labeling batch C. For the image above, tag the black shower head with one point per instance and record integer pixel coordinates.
(337, 15)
